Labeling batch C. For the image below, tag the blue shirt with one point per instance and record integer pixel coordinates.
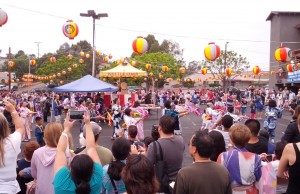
(63, 182)
(107, 186)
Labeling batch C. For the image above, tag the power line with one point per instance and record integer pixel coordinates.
(38, 45)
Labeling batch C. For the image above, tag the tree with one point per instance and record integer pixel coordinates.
(236, 62)
(172, 48)
(193, 66)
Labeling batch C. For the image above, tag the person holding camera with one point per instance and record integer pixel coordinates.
(167, 141)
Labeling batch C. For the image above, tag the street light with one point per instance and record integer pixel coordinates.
(225, 55)
(92, 13)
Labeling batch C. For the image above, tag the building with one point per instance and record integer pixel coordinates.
(285, 31)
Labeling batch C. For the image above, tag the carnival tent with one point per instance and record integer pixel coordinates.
(122, 71)
(87, 84)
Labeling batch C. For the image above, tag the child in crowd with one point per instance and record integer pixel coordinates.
(39, 131)
(244, 106)
(252, 110)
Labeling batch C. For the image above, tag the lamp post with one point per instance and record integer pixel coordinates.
(225, 55)
(92, 13)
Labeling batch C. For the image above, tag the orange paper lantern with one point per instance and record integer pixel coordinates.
(165, 68)
(204, 71)
(150, 74)
(256, 70)
(228, 71)
(11, 64)
(33, 62)
(105, 59)
(272, 72)
(64, 72)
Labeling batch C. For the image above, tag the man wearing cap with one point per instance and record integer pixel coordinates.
(106, 154)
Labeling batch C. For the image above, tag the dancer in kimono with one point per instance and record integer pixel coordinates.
(26, 114)
(116, 117)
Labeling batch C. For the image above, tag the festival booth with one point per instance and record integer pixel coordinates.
(124, 70)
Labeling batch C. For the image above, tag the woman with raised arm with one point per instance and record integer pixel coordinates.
(85, 173)
(9, 149)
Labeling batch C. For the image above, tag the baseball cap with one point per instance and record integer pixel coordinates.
(95, 127)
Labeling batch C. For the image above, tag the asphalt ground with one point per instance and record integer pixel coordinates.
(190, 123)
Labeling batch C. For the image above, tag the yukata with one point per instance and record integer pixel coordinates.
(272, 115)
(140, 125)
(116, 117)
(32, 109)
(24, 113)
(56, 104)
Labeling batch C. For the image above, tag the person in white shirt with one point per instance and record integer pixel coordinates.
(9, 150)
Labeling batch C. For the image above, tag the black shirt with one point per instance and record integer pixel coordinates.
(258, 148)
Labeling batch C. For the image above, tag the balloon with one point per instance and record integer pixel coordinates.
(148, 66)
(3, 17)
(212, 51)
(282, 54)
(256, 70)
(165, 68)
(33, 62)
(204, 71)
(228, 71)
(52, 59)
(140, 45)
(70, 29)
(289, 68)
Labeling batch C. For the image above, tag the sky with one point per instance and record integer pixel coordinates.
(192, 24)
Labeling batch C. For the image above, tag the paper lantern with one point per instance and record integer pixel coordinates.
(61, 81)
(110, 56)
(148, 66)
(99, 53)
(169, 79)
(272, 73)
(256, 70)
(105, 59)
(165, 68)
(70, 29)
(33, 62)
(117, 62)
(156, 80)
(54, 76)
(51, 81)
(121, 60)
(289, 68)
(11, 64)
(150, 74)
(182, 70)
(160, 76)
(140, 45)
(70, 57)
(81, 61)
(64, 72)
(3, 17)
(204, 71)
(87, 56)
(187, 80)
(75, 65)
(133, 63)
(261, 74)
(282, 54)
(12, 81)
(178, 80)
(212, 51)
(58, 74)
(69, 69)
(52, 59)
(81, 53)
(228, 71)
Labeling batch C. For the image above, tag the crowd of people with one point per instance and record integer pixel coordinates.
(231, 151)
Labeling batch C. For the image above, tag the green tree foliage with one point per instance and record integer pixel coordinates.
(62, 63)
(193, 66)
(236, 62)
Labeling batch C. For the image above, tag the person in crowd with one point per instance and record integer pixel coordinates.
(112, 172)
(264, 134)
(256, 144)
(147, 141)
(272, 115)
(66, 104)
(86, 173)
(219, 144)
(132, 136)
(39, 131)
(292, 133)
(139, 176)
(57, 109)
(289, 165)
(116, 117)
(201, 148)
(253, 110)
(168, 141)
(46, 108)
(25, 114)
(238, 161)
(29, 148)
(140, 121)
(104, 153)
(93, 114)
(226, 122)
(259, 105)
(42, 162)
(10, 144)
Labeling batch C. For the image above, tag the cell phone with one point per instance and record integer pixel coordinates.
(76, 114)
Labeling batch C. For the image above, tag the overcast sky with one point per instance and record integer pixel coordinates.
(190, 23)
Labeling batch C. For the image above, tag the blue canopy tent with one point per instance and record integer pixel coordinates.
(87, 84)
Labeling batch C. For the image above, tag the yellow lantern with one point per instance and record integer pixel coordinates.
(52, 59)
(133, 63)
(165, 68)
(81, 53)
(87, 56)
(70, 29)
(256, 70)
(148, 66)
(212, 51)
(228, 71)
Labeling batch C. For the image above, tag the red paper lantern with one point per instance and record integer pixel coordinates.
(140, 45)
(3, 17)
(282, 54)
(256, 70)
(212, 51)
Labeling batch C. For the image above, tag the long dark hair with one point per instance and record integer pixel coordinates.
(82, 167)
(120, 150)
(219, 144)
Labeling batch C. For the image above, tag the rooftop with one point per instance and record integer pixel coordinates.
(281, 13)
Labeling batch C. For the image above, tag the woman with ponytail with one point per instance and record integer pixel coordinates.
(112, 181)
(86, 173)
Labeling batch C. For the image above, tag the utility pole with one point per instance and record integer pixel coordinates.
(38, 45)
(92, 13)
(225, 55)
(9, 69)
